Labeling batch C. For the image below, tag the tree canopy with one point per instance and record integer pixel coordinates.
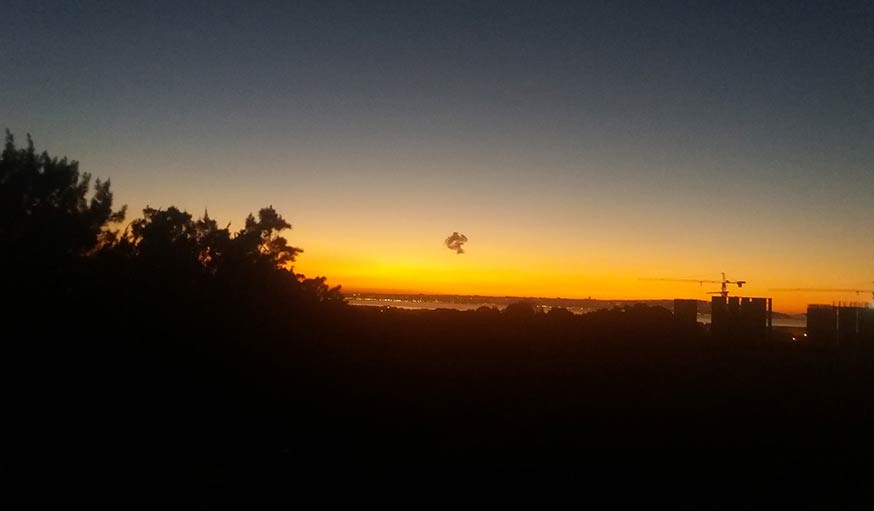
(49, 211)
(52, 217)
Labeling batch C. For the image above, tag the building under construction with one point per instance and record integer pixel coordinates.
(686, 313)
(843, 324)
(740, 318)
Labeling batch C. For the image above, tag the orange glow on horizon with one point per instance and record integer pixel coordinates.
(438, 271)
(388, 241)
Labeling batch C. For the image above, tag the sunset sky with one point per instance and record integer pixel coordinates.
(580, 146)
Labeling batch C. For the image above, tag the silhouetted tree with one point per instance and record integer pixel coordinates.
(559, 313)
(520, 310)
(320, 291)
(485, 309)
(166, 237)
(49, 213)
(260, 241)
(212, 242)
(252, 265)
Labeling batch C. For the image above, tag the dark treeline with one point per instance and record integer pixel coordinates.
(194, 353)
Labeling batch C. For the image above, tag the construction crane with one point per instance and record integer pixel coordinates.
(828, 290)
(724, 283)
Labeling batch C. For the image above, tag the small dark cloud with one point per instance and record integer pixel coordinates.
(456, 242)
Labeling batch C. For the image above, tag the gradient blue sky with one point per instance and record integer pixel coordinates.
(579, 145)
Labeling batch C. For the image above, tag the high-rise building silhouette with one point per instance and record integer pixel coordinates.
(686, 312)
(843, 324)
(740, 318)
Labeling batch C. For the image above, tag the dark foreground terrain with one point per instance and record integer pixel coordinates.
(375, 396)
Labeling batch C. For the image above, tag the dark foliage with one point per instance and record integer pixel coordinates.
(47, 220)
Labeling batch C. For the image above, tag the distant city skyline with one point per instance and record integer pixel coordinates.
(359, 295)
(579, 146)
